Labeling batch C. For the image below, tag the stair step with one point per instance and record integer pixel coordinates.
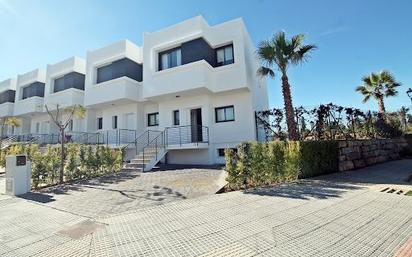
(125, 169)
(134, 165)
(146, 157)
(140, 161)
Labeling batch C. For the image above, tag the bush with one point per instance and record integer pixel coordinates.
(257, 164)
(81, 161)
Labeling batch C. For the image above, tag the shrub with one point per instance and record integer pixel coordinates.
(81, 161)
(257, 164)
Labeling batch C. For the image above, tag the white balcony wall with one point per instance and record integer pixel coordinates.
(120, 90)
(33, 104)
(7, 109)
(67, 97)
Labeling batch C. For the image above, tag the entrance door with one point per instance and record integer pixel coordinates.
(196, 124)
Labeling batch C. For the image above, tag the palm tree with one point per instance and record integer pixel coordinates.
(280, 53)
(378, 85)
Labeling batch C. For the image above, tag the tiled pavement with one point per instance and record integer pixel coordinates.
(338, 215)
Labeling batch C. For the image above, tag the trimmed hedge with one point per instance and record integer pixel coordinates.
(256, 164)
(81, 161)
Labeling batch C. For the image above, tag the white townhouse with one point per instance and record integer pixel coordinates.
(7, 96)
(188, 93)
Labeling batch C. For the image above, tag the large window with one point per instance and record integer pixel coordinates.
(7, 96)
(100, 123)
(224, 114)
(224, 55)
(176, 118)
(170, 59)
(34, 89)
(70, 80)
(153, 119)
(120, 68)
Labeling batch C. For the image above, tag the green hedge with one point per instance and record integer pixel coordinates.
(81, 161)
(256, 164)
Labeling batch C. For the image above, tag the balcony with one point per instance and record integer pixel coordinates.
(65, 98)
(29, 106)
(6, 109)
(121, 90)
(195, 77)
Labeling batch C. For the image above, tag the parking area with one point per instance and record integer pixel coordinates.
(343, 214)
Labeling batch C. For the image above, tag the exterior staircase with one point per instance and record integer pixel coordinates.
(151, 146)
(145, 160)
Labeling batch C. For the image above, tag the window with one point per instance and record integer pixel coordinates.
(224, 55)
(100, 123)
(226, 113)
(221, 151)
(34, 89)
(59, 84)
(114, 122)
(170, 59)
(176, 118)
(7, 96)
(120, 68)
(153, 119)
(70, 125)
(70, 80)
(37, 127)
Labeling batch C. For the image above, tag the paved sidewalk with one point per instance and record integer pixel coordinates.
(118, 193)
(342, 214)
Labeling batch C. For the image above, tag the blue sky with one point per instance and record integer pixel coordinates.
(354, 37)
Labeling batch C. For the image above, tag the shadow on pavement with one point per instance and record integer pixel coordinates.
(306, 189)
(335, 184)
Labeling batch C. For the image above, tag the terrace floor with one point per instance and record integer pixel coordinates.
(343, 214)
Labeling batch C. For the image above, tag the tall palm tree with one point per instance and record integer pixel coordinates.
(378, 85)
(280, 53)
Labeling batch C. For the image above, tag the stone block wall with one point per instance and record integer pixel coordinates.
(355, 154)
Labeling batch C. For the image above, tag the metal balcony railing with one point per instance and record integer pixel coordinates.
(187, 135)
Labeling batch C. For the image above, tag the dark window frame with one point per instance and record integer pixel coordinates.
(221, 151)
(99, 123)
(224, 108)
(225, 62)
(176, 119)
(123, 67)
(160, 54)
(156, 120)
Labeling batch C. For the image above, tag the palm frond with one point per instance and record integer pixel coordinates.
(264, 71)
(302, 54)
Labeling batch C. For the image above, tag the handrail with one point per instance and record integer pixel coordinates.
(157, 146)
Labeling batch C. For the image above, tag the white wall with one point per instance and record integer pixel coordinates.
(199, 74)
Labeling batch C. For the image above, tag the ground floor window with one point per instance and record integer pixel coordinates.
(221, 151)
(225, 113)
(176, 118)
(100, 123)
(153, 119)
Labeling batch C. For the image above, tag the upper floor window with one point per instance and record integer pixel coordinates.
(7, 96)
(70, 80)
(226, 113)
(120, 68)
(170, 59)
(153, 119)
(224, 55)
(34, 89)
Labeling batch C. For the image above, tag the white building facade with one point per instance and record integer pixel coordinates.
(192, 88)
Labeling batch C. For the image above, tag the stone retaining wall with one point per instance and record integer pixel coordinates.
(355, 154)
